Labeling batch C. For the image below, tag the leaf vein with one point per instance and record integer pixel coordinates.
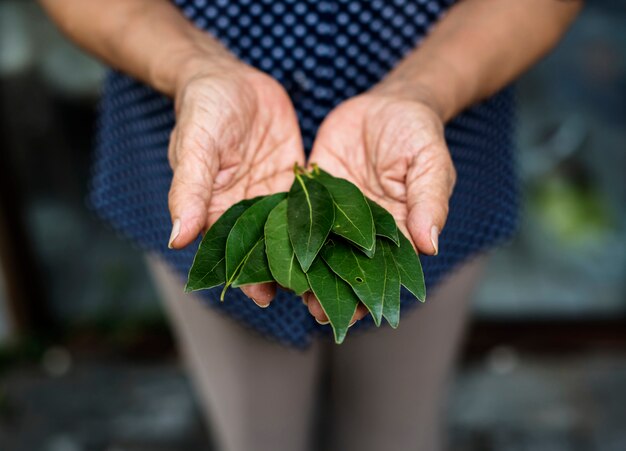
(350, 221)
(308, 201)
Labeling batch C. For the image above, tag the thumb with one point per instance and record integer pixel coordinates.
(190, 192)
(429, 182)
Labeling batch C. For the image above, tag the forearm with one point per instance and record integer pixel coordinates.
(478, 48)
(148, 39)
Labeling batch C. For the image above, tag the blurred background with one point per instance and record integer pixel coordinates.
(86, 358)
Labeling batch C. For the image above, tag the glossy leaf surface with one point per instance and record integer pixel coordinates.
(384, 223)
(245, 234)
(353, 217)
(391, 303)
(336, 297)
(310, 217)
(255, 269)
(410, 268)
(282, 260)
(209, 265)
(365, 275)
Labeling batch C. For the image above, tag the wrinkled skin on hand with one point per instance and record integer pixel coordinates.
(395, 152)
(236, 137)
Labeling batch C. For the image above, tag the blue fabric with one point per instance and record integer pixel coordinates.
(322, 52)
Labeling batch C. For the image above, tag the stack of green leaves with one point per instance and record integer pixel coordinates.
(323, 236)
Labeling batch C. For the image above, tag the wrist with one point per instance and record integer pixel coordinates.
(414, 92)
(431, 83)
(174, 67)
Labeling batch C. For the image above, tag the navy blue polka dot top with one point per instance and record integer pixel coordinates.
(322, 52)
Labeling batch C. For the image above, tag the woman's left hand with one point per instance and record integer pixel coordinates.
(394, 150)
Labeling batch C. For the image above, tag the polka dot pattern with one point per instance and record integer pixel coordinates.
(322, 52)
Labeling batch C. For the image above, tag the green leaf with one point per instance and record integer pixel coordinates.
(384, 222)
(255, 269)
(365, 275)
(410, 268)
(310, 216)
(353, 217)
(245, 234)
(391, 304)
(209, 265)
(336, 297)
(369, 252)
(282, 260)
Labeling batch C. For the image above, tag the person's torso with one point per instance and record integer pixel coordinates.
(322, 52)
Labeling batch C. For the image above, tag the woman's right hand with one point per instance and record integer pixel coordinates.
(236, 137)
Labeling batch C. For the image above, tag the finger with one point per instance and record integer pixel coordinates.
(192, 184)
(430, 180)
(171, 148)
(361, 312)
(315, 308)
(261, 294)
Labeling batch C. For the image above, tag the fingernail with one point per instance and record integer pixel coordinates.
(260, 305)
(304, 301)
(434, 238)
(323, 323)
(175, 232)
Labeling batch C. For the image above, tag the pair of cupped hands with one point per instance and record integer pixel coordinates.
(237, 136)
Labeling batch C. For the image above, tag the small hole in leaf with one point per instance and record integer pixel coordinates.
(359, 279)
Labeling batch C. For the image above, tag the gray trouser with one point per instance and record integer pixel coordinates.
(387, 387)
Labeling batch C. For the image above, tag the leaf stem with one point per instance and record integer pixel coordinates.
(316, 169)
